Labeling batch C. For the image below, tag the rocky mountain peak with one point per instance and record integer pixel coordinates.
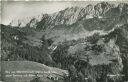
(123, 7)
(102, 8)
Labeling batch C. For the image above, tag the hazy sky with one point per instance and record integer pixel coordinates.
(20, 9)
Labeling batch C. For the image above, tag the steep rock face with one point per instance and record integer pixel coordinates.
(102, 8)
(68, 16)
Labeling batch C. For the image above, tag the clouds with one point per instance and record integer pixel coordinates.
(18, 10)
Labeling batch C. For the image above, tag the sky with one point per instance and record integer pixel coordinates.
(13, 10)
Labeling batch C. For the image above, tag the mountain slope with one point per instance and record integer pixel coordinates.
(31, 69)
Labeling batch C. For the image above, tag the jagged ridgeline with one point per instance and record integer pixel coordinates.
(93, 38)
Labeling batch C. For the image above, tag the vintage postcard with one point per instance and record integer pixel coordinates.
(64, 41)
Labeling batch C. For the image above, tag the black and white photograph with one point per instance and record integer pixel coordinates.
(64, 41)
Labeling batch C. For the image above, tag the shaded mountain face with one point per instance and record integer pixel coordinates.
(95, 34)
(105, 54)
